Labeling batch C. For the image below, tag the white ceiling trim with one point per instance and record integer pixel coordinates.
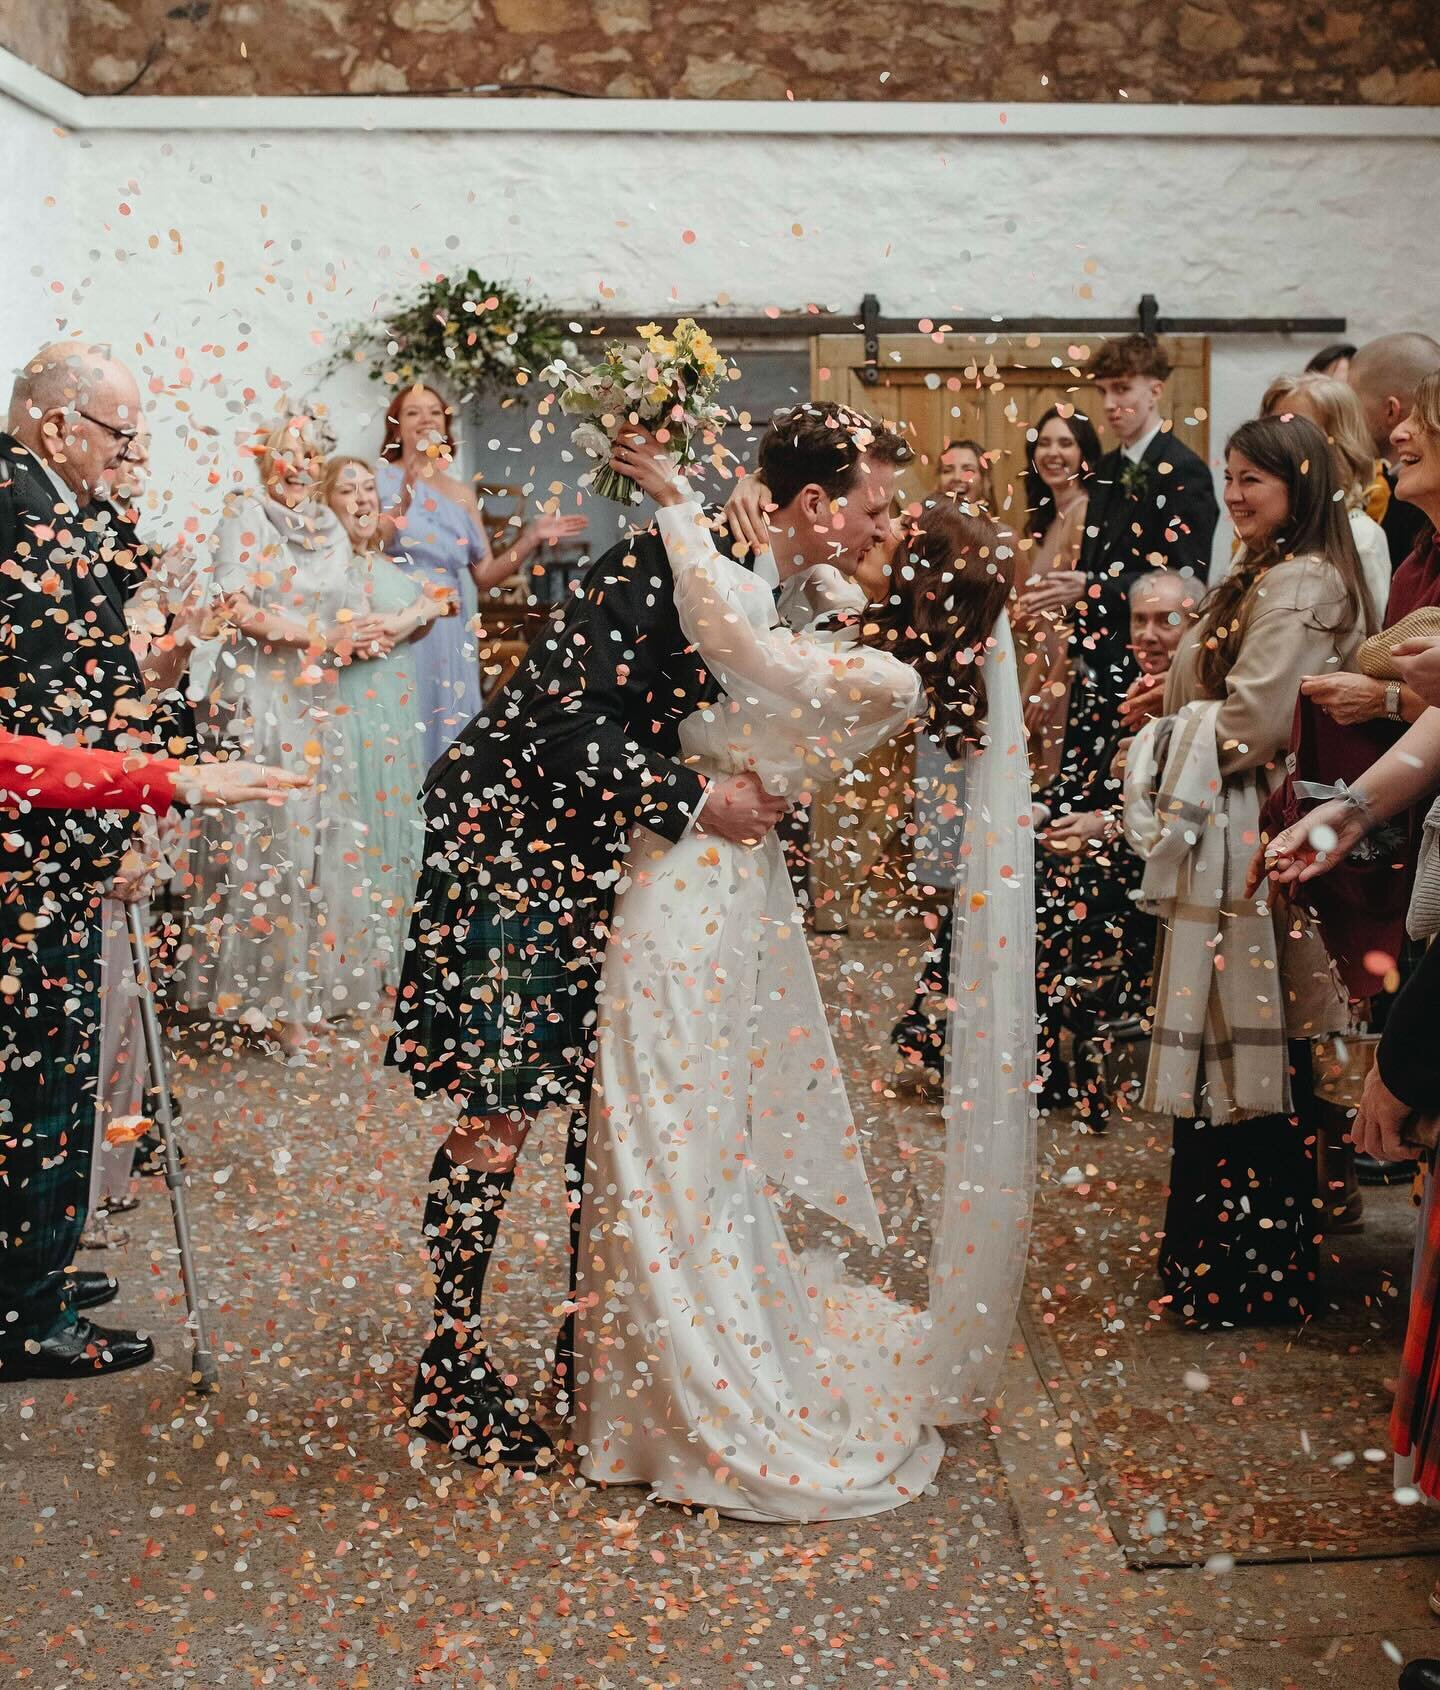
(1118, 119)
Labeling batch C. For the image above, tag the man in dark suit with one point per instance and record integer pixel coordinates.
(1384, 374)
(66, 672)
(529, 817)
(1152, 504)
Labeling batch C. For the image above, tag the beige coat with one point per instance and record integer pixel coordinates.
(1289, 633)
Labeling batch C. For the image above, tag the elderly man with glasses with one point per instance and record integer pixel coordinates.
(67, 674)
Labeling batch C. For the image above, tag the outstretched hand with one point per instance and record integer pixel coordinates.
(1313, 846)
(219, 786)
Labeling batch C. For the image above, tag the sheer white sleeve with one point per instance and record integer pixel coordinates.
(836, 697)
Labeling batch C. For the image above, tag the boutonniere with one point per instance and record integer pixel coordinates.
(1135, 479)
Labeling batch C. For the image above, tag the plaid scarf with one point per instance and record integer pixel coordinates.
(1218, 1042)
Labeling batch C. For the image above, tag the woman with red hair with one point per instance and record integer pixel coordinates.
(431, 528)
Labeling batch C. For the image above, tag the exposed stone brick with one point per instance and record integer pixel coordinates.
(1383, 52)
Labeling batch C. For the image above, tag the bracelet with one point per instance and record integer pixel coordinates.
(1353, 799)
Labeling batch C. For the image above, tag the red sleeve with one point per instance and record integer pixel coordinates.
(65, 777)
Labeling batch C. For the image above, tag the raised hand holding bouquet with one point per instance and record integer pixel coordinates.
(669, 386)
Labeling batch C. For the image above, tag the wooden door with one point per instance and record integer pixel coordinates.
(992, 389)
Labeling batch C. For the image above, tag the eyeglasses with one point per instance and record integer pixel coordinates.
(128, 435)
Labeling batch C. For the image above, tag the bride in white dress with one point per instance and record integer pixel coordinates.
(715, 1364)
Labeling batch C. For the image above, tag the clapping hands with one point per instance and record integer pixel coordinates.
(1058, 590)
(1144, 698)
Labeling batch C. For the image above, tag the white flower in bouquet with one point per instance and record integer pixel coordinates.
(592, 440)
(669, 383)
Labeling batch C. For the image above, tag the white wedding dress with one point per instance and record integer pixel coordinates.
(714, 1364)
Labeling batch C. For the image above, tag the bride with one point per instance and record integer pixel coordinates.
(715, 1364)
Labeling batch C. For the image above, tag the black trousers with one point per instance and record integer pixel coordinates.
(49, 1072)
(1241, 1225)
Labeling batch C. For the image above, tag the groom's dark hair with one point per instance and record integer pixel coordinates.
(822, 441)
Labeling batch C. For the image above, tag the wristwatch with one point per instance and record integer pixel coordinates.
(1392, 701)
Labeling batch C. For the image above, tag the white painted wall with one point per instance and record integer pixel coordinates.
(33, 155)
(283, 236)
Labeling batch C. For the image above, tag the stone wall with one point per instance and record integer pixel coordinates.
(1380, 52)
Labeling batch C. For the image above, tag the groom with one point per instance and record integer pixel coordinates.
(528, 821)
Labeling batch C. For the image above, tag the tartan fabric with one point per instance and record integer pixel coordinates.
(496, 1001)
(1218, 1043)
(1414, 1431)
(49, 1063)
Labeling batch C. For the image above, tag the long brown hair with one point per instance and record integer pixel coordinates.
(390, 447)
(949, 580)
(1318, 525)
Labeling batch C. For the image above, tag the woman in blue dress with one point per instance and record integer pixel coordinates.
(431, 528)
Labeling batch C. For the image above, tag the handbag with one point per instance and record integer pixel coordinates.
(1360, 905)
(1376, 656)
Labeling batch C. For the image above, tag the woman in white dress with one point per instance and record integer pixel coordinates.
(257, 917)
(714, 1364)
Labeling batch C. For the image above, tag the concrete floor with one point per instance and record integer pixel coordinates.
(286, 1531)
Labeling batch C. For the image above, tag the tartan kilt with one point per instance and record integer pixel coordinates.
(496, 1004)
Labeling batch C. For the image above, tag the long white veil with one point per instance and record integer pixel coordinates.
(979, 1248)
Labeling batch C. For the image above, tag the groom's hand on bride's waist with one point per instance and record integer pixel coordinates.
(739, 809)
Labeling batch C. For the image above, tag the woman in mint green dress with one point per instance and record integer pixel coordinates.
(370, 854)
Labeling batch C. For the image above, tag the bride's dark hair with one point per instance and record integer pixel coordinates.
(949, 580)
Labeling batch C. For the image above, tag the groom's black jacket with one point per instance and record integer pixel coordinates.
(533, 807)
(541, 791)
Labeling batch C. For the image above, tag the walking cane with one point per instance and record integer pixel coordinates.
(202, 1363)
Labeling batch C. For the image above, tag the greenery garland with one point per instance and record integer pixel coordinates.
(473, 335)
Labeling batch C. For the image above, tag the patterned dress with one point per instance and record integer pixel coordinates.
(256, 908)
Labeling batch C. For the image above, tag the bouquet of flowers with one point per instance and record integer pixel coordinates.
(668, 385)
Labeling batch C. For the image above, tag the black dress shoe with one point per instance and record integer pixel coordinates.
(81, 1351)
(89, 1290)
(1370, 1170)
(1421, 1674)
(488, 1431)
